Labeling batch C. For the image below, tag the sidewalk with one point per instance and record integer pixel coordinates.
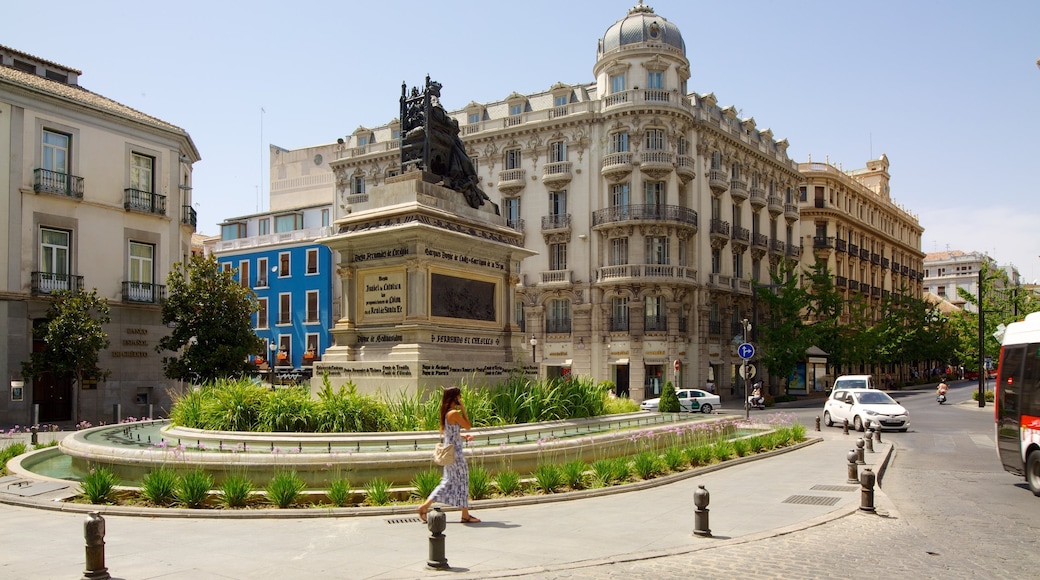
(751, 499)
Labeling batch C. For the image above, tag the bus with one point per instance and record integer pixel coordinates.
(1017, 400)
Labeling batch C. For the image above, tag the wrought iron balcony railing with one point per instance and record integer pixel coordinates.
(47, 181)
(47, 282)
(144, 201)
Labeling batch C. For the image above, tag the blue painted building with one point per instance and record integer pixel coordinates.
(276, 255)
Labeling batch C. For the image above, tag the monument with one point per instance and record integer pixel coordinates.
(427, 268)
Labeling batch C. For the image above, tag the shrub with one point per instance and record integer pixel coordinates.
(674, 458)
(425, 482)
(722, 450)
(574, 475)
(8, 453)
(289, 409)
(743, 447)
(235, 491)
(698, 455)
(797, 432)
(377, 492)
(620, 470)
(602, 473)
(339, 492)
(285, 488)
(647, 464)
(988, 395)
(669, 399)
(193, 487)
(159, 486)
(479, 482)
(508, 482)
(548, 478)
(99, 485)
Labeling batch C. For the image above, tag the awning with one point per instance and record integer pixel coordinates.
(620, 361)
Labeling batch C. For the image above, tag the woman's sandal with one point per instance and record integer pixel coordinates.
(471, 520)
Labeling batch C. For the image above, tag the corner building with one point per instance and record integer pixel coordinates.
(653, 211)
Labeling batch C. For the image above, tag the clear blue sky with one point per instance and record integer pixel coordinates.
(949, 90)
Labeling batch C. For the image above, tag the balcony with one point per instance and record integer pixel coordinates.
(556, 223)
(618, 324)
(740, 239)
(853, 250)
(616, 166)
(511, 181)
(662, 273)
(144, 201)
(793, 252)
(48, 282)
(656, 164)
(718, 181)
(657, 323)
(189, 217)
(561, 277)
(777, 247)
(824, 243)
(864, 254)
(841, 282)
(776, 204)
(516, 224)
(738, 190)
(791, 212)
(759, 245)
(557, 174)
(720, 281)
(714, 327)
(685, 168)
(627, 213)
(558, 326)
(853, 286)
(644, 97)
(758, 197)
(741, 285)
(884, 263)
(47, 181)
(839, 244)
(143, 293)
(875, 291)
(875, 259)
(719, 231)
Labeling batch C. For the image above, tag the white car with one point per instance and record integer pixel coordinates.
(864, 407)
(854, 382)
(689, 400)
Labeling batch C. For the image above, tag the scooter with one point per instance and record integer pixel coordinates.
(757, 402)
(940, 398)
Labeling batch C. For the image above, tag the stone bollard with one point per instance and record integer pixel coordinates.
(700, 515)
(436, 521)
(866, 495)
(869, 440)
(817, 422)
(35, 439)
(859, 452)
(877, 434)
(94, 534)
(853, 468)
(845, 427)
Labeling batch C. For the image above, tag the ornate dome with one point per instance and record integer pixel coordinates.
(639, 26)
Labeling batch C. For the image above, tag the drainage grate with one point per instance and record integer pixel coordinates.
(834, 488)
(409, 520)
(812, 500)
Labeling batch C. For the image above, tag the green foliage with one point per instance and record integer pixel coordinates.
(285, 488)
(234, 405)
(647, 465)
(619, 405)
(669, 402)
(99, 485)
(288, 409)
(507, 481)
(9, 452)
(479, 482)
(74, 335)
(574, 474)
(743, 447)
(601, 473)
(211, 315)
(722, 450)
(548, 478)
(235, 491)
(344, 410)
(377, 492)
(698, 454)
(1002, 302)
(782, 342)
(425, 482)
(159, 486)
(193, 488)
(339, 492)
(988, 395)
(674, 458)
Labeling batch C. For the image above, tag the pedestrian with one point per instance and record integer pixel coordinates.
(709, 386)
(454, 487)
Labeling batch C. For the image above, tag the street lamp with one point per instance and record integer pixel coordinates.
(270, 361)
(534, 343)
(747, 378)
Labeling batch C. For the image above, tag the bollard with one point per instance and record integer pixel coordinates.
(877, 434)
(817, 422)
(436, 521)
(845, 427)
(35, 439)
(700, 515)
(869, 440)
(94, 534)
(853, 468)
(866, 495)
(859, 452)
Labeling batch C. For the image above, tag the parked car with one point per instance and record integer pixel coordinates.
(690, 400)
(974, 375)
(854, 382)
(864, 407)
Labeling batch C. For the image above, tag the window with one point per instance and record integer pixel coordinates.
(232, 231)
(142, 258)
(518, 314)
(312, 260)
(55, 155)
(285, 349)
(941, 291)
(654, 191)
(357, 185)
(225, 267)
(283, 264)
(362, 140)
(516, 109)
(756, 268)
(312, 344)
(654, 310)
(513, 212)
(619, 195)
(680, 145)
(682, 253)
(619, 142)
(261, 313)
(261, 272)
(288, 223)
(54, 260)
(557, 256)
(619, 314)
(312, 306)
(557, 151)
(656, 250)
(325, 218)
(716, 261)
(716, 160)
(655, 139)
(618, 251)
(24, 66)
(560, 101)
(654, 80)
(738, 265)
(243, 273)
(473, 118)
(264, 227)
(557, 203)
(513, 159)
(559, 316)
(285, 308)
(141, 171)
(617, 83)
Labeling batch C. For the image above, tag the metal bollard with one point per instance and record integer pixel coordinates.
(853, 468)
(869, 440)
(877, 434)
(817, 422)
(859, 452)
(845, 427)
(700, 515)
(866, 495)
(436, 521)
(94, 534)
(35, 438)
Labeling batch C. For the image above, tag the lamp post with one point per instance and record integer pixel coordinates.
(270, 361)
(534, 343)
(747, 403)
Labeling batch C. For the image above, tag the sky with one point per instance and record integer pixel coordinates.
(949, 90)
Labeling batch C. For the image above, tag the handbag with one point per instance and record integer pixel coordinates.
(444, 454)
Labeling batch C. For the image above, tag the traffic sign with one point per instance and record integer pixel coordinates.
(746, 350)
(675, 365)
(750, 373)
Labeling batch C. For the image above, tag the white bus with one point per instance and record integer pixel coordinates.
(1017, 400)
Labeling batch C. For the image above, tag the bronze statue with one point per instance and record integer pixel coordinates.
(430, 142)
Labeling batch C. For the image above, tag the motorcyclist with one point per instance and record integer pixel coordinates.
(941, 390)
(756, 399)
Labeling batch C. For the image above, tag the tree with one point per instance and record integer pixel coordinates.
(780, 331)
(75, 336)
(669, 402)
(1001, 303)
(211, 317)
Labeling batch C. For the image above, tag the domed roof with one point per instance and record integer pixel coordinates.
(639, 26)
